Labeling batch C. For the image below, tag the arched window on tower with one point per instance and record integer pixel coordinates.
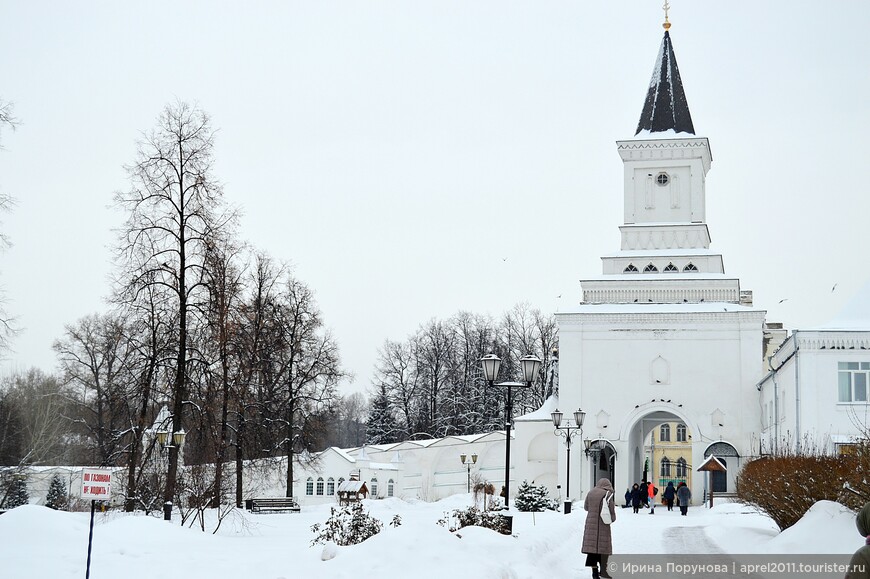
(671, 268)
(666, 468)
(681, 433)
(665, 433)
(630, 269)
(681, 468)
(650, 269)
(690, 267)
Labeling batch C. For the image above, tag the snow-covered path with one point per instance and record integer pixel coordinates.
(39, 543)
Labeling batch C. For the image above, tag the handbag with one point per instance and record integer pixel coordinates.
(605, 508)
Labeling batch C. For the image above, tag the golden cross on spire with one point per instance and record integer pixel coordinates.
(666, 6)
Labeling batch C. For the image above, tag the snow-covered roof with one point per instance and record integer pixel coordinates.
(666, 108)
(352, 486)
(855, 315)
(712, 463)
(543, 413)
(343, 454)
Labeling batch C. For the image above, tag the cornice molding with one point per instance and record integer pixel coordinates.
(653, 318)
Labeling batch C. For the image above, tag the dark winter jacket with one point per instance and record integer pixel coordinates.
(596, 535)
(636, 496)
(685, 495)
(670, 492)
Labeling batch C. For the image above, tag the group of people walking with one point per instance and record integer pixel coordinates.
(601, 513)
(644, 493)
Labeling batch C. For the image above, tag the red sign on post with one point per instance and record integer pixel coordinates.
(97, 484)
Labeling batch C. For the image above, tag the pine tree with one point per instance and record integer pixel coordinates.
(533, 498)
(381, 427)
(57, 497)
(17, 493)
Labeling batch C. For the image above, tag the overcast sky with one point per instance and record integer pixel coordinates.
(416, 158)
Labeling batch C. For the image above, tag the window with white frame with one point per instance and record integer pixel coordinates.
(665, 433)
(374, 488)
(330, 486)
(390, 487)
(320, 485)
(852, 381)
(309, 486)
(651, 269)
(681, 433)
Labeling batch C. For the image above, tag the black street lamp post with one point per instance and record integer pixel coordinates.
(530, 365)
(170, 442)
(568, 432)
(468, 463)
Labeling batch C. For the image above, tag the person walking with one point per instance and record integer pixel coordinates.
(861, 558)
(627, 499)
(669, 494)
(644, 497)
(636, 497)
(651, 493)
(597, 543)
(684, 495)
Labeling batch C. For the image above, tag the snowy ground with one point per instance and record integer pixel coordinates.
(36, 542)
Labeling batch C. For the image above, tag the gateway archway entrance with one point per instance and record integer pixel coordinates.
(660, 447)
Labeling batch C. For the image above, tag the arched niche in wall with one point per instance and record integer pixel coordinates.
(659, 371)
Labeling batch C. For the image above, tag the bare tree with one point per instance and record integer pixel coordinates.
(7, 322)
(95, 363)
(174, 207)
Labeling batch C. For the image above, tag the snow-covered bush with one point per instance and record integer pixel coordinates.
(784, 486)
(472, 516)
(57, 497)
(531, 498)
(346, 526)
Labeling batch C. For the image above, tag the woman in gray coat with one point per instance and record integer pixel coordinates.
(684, 495)
(597, 544)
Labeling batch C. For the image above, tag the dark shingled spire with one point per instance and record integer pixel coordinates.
(666, 107)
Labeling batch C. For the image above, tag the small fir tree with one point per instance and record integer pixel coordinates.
(17, 493)
(57, 497)
(531, 498)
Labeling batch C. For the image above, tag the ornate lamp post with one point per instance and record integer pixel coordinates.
(530, 365)
(170, 442)
(568, 432)
(468, 463)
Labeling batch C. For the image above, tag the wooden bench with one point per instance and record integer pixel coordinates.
(281, 504)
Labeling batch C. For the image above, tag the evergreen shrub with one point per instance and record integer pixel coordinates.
(346, 526)
(531, 498)
(57, 497)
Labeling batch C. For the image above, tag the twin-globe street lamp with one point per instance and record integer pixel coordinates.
(530, 365)
(169, 441)
(568, 432)
(468, 463)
